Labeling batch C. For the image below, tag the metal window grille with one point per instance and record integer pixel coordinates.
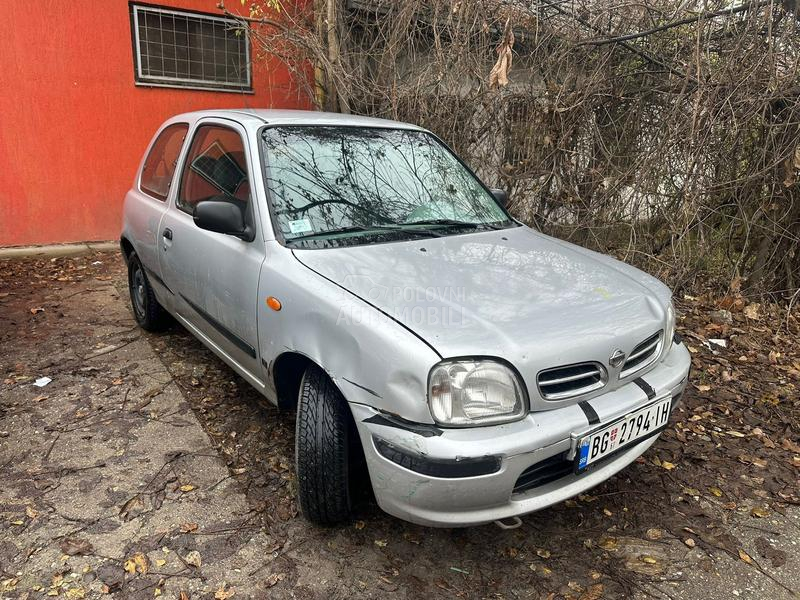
(176, 48)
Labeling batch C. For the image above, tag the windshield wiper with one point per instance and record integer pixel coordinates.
(453, 223)
(369, 229)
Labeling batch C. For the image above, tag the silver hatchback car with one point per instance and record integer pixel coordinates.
(357, 271)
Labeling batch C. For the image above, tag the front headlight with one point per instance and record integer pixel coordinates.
(475, 392)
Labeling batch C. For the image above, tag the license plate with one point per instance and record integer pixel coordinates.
(637, 425)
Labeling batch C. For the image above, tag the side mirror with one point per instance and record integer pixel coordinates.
(500, 195)
(221, 216)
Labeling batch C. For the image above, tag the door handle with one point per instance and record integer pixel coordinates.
(168, 233)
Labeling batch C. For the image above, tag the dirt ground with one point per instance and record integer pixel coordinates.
(147, 468)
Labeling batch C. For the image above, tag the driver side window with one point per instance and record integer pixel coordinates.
(215, 169)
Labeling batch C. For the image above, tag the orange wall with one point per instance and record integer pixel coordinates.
(73, 126)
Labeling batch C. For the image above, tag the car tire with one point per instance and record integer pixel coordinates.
(149, 314)
(323, 450)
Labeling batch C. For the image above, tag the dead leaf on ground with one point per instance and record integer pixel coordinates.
(608, 543)
(412, 538)
(138, 563)
(193, 558)
(128, 509)
(273, 579)
(188, 527)
(745, 557)
(770, 552)
(73, 546)
(752, 311)
(223, 593)
(789, 445)
(594, 592)
(654, 534)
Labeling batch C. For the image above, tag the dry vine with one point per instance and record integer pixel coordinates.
(665, 132)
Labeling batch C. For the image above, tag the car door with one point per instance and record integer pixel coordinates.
(215, 276)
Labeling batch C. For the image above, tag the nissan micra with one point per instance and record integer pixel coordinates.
(357, 271)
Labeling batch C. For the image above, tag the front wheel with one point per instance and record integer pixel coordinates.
(149, 314)
(323, 448)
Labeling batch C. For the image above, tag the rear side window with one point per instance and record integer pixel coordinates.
(159, 166)
(214, 169)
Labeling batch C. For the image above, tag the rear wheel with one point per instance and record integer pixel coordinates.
(325, 445)
(149, 314)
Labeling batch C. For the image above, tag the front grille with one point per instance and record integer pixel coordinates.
(642, 355)
(543, 472)
(572, 380)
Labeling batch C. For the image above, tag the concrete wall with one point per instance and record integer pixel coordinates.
(73, 124)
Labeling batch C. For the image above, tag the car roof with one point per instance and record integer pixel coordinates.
(268, 116)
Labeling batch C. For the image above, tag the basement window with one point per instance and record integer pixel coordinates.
(177, 48)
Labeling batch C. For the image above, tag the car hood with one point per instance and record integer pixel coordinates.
(533, 300)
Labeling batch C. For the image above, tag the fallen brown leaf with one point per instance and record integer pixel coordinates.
(193, 558)
(594, 592)
(73, 546)
(137, 563)
(608, 543)
(654, 534)
(789, 445)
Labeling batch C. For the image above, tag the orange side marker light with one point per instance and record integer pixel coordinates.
(273, 303)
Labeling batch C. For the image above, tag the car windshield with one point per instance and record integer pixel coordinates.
(363, 184)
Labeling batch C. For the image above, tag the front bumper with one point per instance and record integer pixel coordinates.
(460, 499)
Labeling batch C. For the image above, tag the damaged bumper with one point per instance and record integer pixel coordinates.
(458, 477)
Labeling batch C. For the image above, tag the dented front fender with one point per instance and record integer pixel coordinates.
(373, 359)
